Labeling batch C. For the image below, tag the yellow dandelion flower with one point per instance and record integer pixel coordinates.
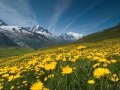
(1, 87)
(45, 79)
(17, 76)
(66, 70)
(37, 86)
(73, 60)
(51, 76)
(102, 60)
(50, 66)
(95, 58)
(91, 81)
(113, 61)
(12, 87)
(64, 59)
(114, 78)
(5, 75)
(24, 82)
(99, 54)
(10, 78)
(100, 72)
(58, 57)
(89, 57)
(96, 65)
(105, 64)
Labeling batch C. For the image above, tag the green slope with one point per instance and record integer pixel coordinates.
(13, 51)
(110, 33)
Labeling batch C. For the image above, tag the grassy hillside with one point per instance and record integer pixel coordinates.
(86, 66)
(13, 51)
(110, 33)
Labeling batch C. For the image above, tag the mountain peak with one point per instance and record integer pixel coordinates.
(2, 23)
(38, 29)
(71, 36)
(75, 35)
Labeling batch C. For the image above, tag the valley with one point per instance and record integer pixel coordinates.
(81, 65)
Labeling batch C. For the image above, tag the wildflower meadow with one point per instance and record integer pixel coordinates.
(77, 66)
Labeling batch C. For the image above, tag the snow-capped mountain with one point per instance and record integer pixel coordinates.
(71, 36)
(42, 31)
(15, 33)
(23, 37)
(35, 37)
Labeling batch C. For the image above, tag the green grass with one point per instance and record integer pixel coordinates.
(14, 51)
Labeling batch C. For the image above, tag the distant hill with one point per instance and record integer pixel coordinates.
(110, 33)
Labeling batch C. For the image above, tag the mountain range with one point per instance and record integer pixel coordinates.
(33, 37)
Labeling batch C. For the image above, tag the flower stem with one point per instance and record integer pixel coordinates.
(102, 84)
(58, 84)
(66, 82)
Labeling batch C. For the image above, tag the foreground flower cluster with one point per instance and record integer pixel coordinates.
(87, 66)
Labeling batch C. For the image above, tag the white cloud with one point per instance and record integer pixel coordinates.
(17, 12)
(59, 9)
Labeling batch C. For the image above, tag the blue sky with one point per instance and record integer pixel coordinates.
(61, 16)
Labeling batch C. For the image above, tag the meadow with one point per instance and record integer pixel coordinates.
(77, 66)
(13, 51)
